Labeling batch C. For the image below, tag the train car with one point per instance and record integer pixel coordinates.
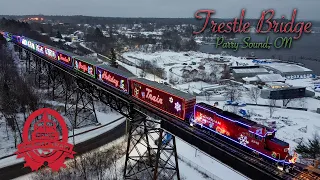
(40, 48)
(28, 43)
(114, 77)
(16, 39)
(65, 57)
(50, 52)
(7, 36)
(255, 137)
(85, 65)
(34, 45)
(164, 98)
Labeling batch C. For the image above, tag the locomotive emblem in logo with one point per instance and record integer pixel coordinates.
(43, 145)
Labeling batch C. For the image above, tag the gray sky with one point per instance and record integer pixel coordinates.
(307, 9)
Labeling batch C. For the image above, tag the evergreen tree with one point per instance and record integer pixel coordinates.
(113, 58)
(311, 149)
(42, 30)
(98, 33)
(59, 35)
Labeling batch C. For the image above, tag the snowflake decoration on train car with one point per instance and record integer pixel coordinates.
(136, 91)
(211, 125)
(143, 94)
(177, 106)
(243, 140)
(171, 100)
(122, 84)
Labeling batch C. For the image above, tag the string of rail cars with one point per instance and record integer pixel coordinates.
(180, 106)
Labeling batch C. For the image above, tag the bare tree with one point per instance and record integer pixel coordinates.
(226, 73)
(100, 165)
(254, 94)
(272, 106)
(285, 102)
(214, 72)
(233, 93)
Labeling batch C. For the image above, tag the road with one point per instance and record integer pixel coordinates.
(17, 170)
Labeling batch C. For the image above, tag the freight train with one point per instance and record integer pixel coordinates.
(180, 106)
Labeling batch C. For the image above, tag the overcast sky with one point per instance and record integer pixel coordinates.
(307, 9)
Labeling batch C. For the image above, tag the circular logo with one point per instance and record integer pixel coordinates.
(41, 142)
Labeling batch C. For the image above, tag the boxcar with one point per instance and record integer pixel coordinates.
(50, 52)
(85, 65)
(28, 43)
(164, 98)
(40, 48)
(65, 57)
(114, 77)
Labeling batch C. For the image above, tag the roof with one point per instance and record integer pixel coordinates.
(270, 77)
(248, 79)
(278, 141)
(91, 61)
(66, 53)
(277, 84)
(166, 88)
(283, 67)
(289, 88)
(229, 115)
(250, 70)
(243, 67)
(117, 71)
(40, 43)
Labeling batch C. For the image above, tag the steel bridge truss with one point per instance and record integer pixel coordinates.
(147, 157)
(77, 105)
(149, 154)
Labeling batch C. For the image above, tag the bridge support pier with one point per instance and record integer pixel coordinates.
(79, 106)
(149, 154)
(63, 88)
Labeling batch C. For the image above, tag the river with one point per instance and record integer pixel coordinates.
(302, 50)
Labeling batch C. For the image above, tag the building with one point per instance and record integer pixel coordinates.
(277, 85)
(239, 73)
(265, 78)
(290, 71)
(283, 93)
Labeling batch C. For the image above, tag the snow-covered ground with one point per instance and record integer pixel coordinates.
(206, 163)
(210, 169)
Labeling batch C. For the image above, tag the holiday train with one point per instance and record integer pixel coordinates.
(235, 129)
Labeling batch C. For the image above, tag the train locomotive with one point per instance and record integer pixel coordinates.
(179, 105)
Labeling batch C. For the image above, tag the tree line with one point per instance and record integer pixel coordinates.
(16, 94)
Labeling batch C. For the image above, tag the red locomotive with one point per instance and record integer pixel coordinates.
(248, 134)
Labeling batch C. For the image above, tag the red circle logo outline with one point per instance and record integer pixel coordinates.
(61, 149)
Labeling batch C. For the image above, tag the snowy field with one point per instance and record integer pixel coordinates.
(292, 125)
(188, 170)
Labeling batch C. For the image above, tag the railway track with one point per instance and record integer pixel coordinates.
(296, 174)
(250, 159)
